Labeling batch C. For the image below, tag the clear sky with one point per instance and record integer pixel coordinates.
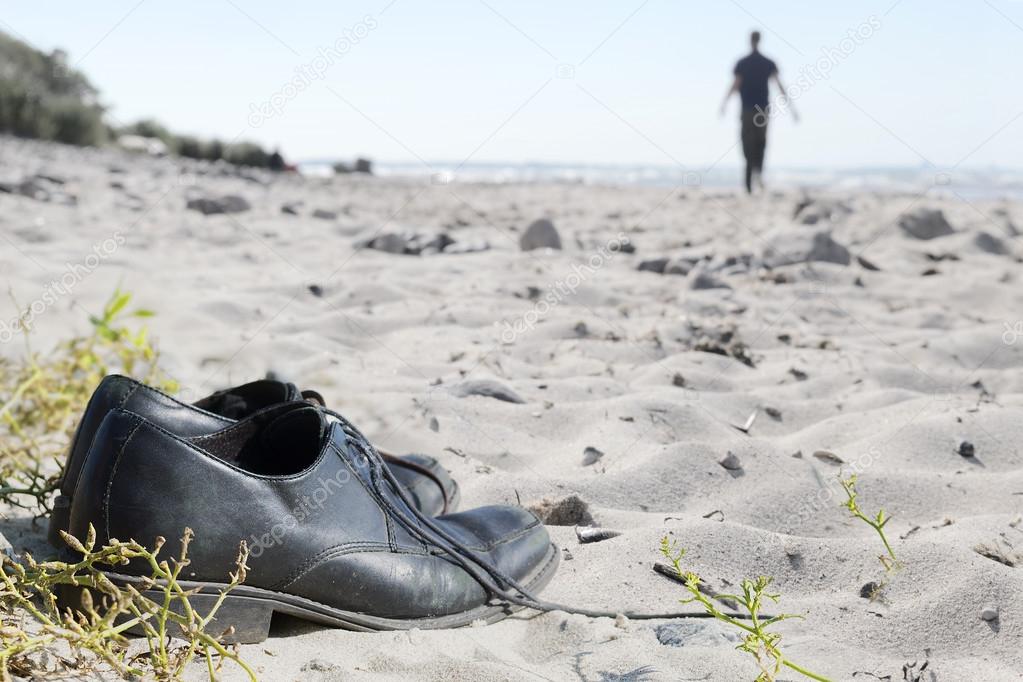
(598, 81)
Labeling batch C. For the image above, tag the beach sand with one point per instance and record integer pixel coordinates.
(884, 371)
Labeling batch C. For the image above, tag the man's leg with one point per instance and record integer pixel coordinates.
(749, 146)
(761, 150)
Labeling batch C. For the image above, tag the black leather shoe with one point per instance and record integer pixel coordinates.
(333, 537)
(429, 485)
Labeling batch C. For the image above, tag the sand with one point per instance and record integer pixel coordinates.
(887, 370)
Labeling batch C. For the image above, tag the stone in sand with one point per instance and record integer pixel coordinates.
(487, 388)
(540, 235)
(990, 244)
(653, 265)
(591, 455)
(324, 214)
(789, 247)
(925, 223)
(730, 462)
(705, 280)
(229, 203)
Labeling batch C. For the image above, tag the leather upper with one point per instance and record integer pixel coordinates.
(331, 529)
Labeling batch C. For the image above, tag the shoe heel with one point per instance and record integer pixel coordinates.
(249, 617)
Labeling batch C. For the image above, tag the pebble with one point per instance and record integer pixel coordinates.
(229, 203)
(731, 462)
(653, 265)
(541, 234)
(989, 614)
(591, 455)
(925, 223)
(966, 449)
(869, 590)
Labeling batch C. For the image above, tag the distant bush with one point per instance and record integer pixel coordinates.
(213, 150)
(247, 154)
(41, 96)
(189, 147)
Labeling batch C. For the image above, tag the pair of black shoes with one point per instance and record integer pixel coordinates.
(338, 533)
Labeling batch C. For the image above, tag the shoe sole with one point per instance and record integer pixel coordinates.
(249, 610)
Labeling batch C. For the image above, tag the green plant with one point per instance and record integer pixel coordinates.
(763, 645)
(877, 523)
(42, 396)
(95, 633)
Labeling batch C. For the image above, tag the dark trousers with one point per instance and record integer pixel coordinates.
(754, 142)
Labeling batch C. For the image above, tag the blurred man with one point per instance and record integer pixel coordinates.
(752, 73)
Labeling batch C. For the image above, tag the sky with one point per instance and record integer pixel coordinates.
(876, 83)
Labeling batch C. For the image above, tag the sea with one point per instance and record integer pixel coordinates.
(966, 183)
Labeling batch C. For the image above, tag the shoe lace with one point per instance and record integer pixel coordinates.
(499, 584)
(314, 397)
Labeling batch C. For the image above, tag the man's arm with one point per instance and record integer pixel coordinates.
(783, 95)
(736, 84)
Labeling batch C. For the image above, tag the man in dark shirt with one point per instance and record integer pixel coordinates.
(752, 73)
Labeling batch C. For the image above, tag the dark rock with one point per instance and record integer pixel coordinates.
(788, 247)
(653, 265)
(364, 166)
(487, 388)
(540, 235)
(990, 244)
(229, 203)
(730, 462)
(966, 449)
(869, 590)
(316, 290)
(290, 209)
(417, 243)
(925, 223)
(324, 214)
(705, 280)
(866, 264)
(591, 455)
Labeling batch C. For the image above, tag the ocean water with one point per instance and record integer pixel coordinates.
(973, 183)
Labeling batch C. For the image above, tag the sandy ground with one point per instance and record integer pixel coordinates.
(886, 369)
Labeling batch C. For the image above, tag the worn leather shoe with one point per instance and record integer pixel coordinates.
(333, 537)
(431, 488)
